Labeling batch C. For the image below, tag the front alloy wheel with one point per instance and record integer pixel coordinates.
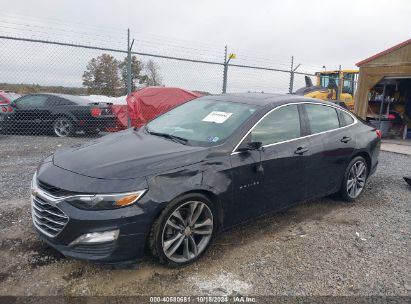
(183, 231)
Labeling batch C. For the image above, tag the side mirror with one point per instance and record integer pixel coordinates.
(254, 145)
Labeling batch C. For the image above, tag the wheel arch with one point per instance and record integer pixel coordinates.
(207, 193)
(367, 158)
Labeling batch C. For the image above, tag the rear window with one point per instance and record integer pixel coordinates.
(346, 119)
(76, 99)
(321, 118)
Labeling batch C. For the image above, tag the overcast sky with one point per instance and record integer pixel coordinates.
(316, 32)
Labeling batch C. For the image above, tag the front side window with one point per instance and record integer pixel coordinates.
(280, 125)
(31, 101)
(321, 118)
(203, 121)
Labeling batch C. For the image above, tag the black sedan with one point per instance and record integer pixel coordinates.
(207, 165)
(62, 115)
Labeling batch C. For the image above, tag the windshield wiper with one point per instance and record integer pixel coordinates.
(174, 138)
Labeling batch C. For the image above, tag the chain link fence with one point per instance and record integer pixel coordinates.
(68, 89)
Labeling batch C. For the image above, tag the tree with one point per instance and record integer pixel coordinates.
(136, 69)
(101, 75)
(153, 77)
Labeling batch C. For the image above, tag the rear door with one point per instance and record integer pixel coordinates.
(331, 146)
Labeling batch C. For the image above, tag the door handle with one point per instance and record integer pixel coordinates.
(301, 150)
(345, 139)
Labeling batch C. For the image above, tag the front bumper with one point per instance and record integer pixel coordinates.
(133, 225)
(60, 223)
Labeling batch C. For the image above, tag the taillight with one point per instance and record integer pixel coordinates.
(9, 109)
(379, 134)
(4, 109)
(95, 112)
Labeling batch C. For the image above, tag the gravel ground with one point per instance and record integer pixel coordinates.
(323, 247)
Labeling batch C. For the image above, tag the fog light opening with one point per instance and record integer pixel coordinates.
(96, 237)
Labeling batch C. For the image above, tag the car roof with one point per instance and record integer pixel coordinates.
(73, 98)
(263, 99)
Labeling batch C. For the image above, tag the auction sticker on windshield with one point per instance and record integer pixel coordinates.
(217, 117)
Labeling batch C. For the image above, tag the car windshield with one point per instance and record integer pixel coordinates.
(202, 122)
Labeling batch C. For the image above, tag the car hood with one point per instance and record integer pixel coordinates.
(127, 154)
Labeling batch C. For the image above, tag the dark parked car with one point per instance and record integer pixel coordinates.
(198, 169)
(61, 114)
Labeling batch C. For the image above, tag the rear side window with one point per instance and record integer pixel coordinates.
(345, 119)
(321, 118)
(280, 125)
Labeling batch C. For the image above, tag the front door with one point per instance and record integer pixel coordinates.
(248, 184)
(29, 113)
(272, 177)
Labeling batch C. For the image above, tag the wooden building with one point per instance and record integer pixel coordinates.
(384, 84)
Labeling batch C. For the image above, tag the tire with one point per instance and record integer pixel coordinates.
(170, 233)
(63, 127)
(355, 179)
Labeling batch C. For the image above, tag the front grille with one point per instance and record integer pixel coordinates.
(48, 218)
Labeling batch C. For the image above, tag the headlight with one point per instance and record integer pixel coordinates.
(105, 201)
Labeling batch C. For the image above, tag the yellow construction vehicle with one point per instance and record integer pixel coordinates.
(328, 87)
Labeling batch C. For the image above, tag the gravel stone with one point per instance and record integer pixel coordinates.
(319, 248)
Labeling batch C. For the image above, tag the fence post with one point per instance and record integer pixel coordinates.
(339, 85)
(129, 46)
(225, 71)
(128, 64)
(290, 88)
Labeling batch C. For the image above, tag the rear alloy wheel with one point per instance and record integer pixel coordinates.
(355, 178)
(63, 127)
(183, 231)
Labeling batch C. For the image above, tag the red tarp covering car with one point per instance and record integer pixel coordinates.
(148, 103)
(122, 117)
